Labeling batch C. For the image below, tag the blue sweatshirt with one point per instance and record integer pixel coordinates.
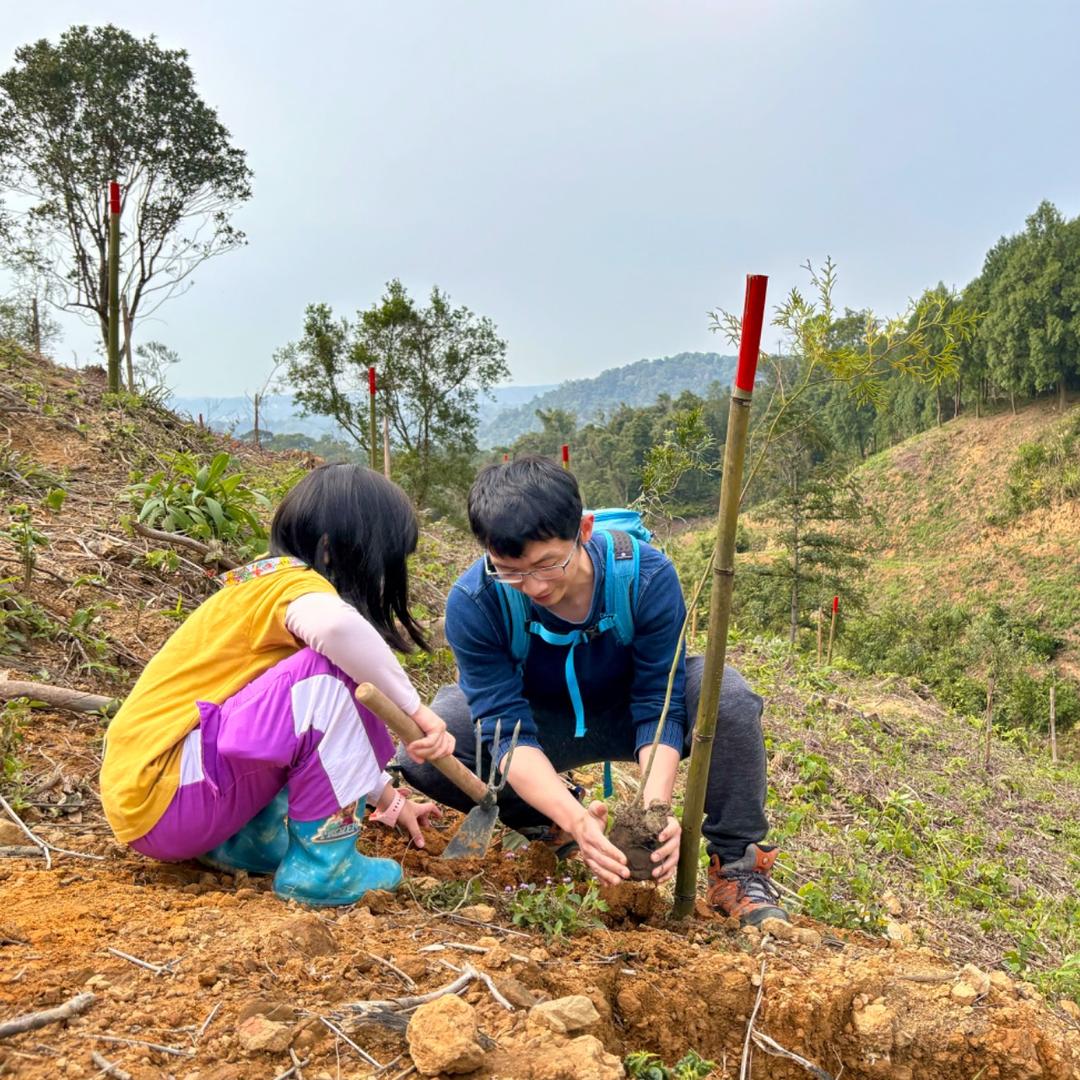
(608, 673)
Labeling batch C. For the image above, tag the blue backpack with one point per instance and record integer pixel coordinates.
(622, 531)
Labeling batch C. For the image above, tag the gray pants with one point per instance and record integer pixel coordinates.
(734, 799)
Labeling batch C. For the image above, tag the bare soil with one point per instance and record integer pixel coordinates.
(634, 833)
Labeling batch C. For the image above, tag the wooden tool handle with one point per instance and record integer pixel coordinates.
(407, 729)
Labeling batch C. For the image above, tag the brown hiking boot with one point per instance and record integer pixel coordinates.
(743, 889)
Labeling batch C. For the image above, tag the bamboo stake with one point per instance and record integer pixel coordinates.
(386, 446)
(832, 628)
(820, 626)
(720, 603)
(989, 720)
(372, 437)
(114, 288)
(1053, 724)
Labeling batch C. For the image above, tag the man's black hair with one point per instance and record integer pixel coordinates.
(356, 529)
(515, 502)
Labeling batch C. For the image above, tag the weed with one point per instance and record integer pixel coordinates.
(13, 716)
(556, 909)
(451, 895)
(641, 1065)
(26, 538)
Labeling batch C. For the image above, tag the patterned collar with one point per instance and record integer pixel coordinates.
(259, 568)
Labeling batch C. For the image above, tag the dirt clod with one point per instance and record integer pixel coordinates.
(566, 1014)
(257, 1034)
(634, 833)
(310, 935)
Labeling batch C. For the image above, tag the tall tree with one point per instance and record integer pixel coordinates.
(432, 362)
(103, 105)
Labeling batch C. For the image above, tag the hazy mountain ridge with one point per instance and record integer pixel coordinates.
(640, 383)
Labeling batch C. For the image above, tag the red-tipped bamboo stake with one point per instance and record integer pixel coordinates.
(720, 603)
(373, 437)
(114, 288)
(832, 627)
(566, 456)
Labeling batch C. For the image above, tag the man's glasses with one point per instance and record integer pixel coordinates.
(541, 573)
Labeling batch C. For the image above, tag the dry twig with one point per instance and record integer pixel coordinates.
(32, 1021)
(108, 1068)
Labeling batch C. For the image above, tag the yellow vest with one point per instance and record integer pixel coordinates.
(226, 642)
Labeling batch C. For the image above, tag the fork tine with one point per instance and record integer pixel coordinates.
(478, 766)
(497, 787)
(494, 751)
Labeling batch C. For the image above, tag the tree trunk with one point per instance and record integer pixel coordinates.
(128, 323)
(35, 325)
(1012, 401)
(957, 400)
(938, 392)
(795, 562)
(1062, 395)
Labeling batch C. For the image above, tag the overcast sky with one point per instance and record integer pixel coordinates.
(596, 174)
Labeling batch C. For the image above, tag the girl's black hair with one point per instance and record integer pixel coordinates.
(530, 498)
(357, 529)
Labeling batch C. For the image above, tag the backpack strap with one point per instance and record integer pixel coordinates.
(622, 564)
(515, 614)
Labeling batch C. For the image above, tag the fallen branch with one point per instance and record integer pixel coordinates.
(46, 847)
(20, 851)
(58, 697)
(157, 969)
(359, 1049)
(771, 1046)
(404, 1004)
(744, 1066)
(108, 1068)
(293, 1070)
(32, 1021)
(176, 1051)
(409, 984)
(189, 542)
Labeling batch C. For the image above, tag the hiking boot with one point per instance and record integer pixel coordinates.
(259, 846)
(742, 889)
(322, 866)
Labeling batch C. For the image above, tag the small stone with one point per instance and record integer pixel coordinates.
(538, 955)
(1071, 1008)
(442, 1037)
(497, 957)
(256, 1035)
(1000, 981)
(963, 993)
(785, 931)
(482, 913)
(207, 978)
(310, 935)
(566, 1014)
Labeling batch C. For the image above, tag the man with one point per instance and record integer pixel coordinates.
(528, 517)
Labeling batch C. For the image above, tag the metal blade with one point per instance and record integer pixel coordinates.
(473, 837)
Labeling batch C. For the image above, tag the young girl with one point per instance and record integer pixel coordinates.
(248, 708)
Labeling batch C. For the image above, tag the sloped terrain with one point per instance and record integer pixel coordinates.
(876, 790)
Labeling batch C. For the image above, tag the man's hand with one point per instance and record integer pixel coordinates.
(666, 856)
(436, 742)
(601, 856)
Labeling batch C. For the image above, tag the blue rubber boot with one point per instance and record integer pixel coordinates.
(259, 846)
(322, 866)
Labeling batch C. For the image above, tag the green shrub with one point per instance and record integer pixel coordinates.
(202, 500)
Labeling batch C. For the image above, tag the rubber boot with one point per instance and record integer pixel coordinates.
(259, 846)
(322, 866)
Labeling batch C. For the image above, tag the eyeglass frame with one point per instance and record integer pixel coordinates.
(519, 576)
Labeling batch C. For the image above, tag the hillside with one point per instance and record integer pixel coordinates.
(640, 383)
(903, 858)
(949, 526)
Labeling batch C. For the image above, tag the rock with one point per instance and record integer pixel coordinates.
(378, 901)
(785, 931)
(976, 978)
(497, 956)
(482, 913)
(1071, 1008)
(442, 1037)
(964, 993)
(874, 1025)
(899, 932)
(1000, 981)
(256, 1035)
(11, 834)
(583, 1058)
(310, 935)
(516, 992)
(566, 1014)
(891, 904)
(278, 1011)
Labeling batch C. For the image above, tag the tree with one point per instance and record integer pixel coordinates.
(432, 364)
(103, 105)
(152, 366)
(1033, 324)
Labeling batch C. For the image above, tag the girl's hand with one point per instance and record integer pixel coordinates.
(414, 816)
(436, 742)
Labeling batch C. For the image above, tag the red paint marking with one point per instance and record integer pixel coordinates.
(566, 454)
(835, 604)
(750, 342)
(114, 197)
(371, 381)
